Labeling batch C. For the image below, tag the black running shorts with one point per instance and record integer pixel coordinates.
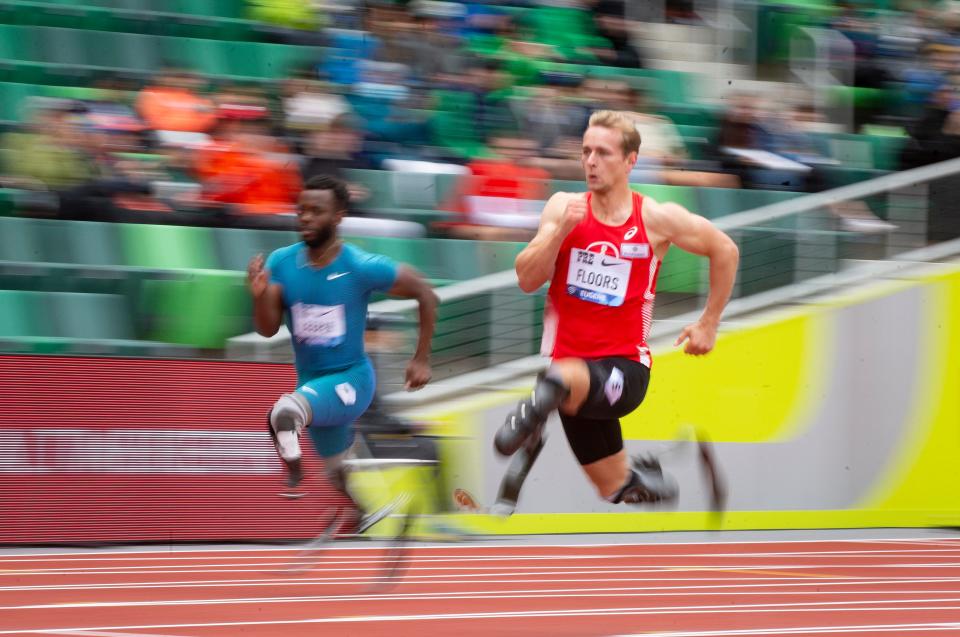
(617, 387)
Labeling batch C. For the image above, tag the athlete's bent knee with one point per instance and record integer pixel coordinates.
(289, 416)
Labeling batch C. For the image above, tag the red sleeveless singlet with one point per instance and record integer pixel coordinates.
(600, 301)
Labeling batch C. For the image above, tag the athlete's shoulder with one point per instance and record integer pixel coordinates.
(283, 255)
(355, 254)
(666, 211)
(651, 209)
(360, 258)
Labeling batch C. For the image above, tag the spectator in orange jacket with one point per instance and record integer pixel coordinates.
(246, 166)
(174, 104)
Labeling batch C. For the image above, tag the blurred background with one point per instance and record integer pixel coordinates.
(149, 148)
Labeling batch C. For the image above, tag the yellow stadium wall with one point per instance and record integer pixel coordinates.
(834, 414)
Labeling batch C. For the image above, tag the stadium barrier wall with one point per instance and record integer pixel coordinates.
(842, 412)
(107, 450)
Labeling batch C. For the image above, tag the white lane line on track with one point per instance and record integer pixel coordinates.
(807, 630)
(376, 565)
(586, 612)
(108, 557)
(426, 580)
(499, 546)
(101, 633)
(498, 595)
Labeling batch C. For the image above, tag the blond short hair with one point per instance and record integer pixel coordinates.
(619, 121)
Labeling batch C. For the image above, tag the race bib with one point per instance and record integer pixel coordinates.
(323, 325)
(598, 278)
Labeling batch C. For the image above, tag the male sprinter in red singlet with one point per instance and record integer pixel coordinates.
(601, 251)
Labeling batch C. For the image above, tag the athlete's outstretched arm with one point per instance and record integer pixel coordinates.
(697, 235)
(267, 298)
(410, 285)
(535, 262)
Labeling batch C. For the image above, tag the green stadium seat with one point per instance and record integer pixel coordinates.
(168, 247)
(251, 59)
(236, 247)
(18, 43)
(380, 185)
(88, 316)
(128, 5)
(64, 315)
(887, 149)
(865, 151)
(54, 241)
(205, 56)
(414, 190)
(133, 51)
(209, 8)
(80, 242)
(693, 114)
(13, 97)
(127, 17)
(74, 3)
(20, 240)
(18, 316)
(482, 257)
(717, 202)
(65, 46)
(686, 196)
(56, 277)
(92, 243)
(202, 309)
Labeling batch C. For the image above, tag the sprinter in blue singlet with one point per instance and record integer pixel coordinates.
(321, 287)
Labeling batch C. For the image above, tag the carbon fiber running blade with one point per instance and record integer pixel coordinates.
(396, 556)
(715, 480)
(306, 558)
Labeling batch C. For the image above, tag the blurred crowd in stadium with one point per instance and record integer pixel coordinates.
(494, 93)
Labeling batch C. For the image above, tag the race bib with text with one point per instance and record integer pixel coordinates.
(323, 325)
(597, 278)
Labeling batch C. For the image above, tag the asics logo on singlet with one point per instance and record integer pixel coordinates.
(336, 275)
(630, 233)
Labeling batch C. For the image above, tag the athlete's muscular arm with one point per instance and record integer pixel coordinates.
(267, 298)
(695, 234)
(535, 262)
(410, 285)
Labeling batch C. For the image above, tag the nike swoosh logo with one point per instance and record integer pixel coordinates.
(331, 277)
(605, 263)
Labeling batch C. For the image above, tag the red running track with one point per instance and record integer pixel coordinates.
(856, 587)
